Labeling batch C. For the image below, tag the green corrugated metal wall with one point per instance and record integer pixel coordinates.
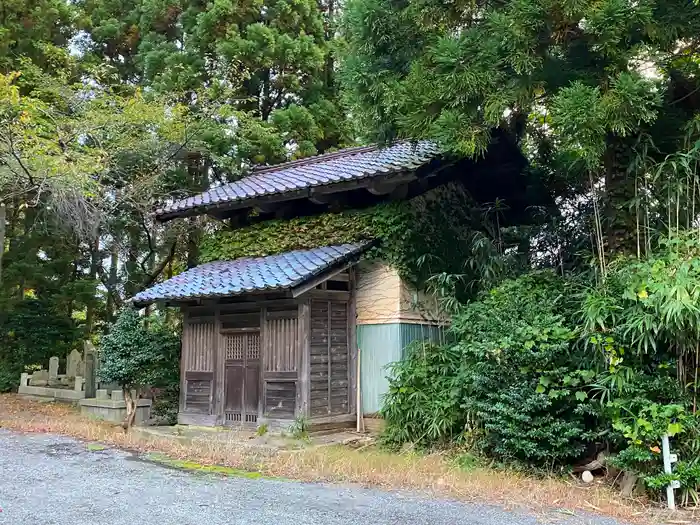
(380, 345)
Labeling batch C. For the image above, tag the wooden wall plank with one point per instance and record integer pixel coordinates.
(283, 350)
(199, 345)
(219, 369)
(303, 390)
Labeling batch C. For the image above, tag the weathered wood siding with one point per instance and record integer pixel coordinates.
(283, 341)
(277, 358)
(329, 359)
(280, 376)
(198, 365)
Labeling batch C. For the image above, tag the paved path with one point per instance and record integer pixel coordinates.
(49, 480)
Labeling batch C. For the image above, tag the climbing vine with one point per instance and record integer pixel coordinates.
(439, 223)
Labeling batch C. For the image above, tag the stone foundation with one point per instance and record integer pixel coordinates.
(29, 385)
(113, 408)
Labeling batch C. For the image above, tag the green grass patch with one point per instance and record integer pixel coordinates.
(95, 447)
(193, 466)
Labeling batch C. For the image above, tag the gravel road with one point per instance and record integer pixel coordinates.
(47, 480)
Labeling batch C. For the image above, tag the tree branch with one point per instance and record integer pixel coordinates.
(159, 269)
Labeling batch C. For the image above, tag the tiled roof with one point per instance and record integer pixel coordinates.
(275, 272)
(322, 170)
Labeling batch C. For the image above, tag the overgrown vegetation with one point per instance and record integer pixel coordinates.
(440, 232)
(541, 415)
(549, 372)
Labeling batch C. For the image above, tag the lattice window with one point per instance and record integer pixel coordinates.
(235, 345)
(251, 418)
(253, 346)
(239, 345)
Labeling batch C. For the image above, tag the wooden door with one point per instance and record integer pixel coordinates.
(329, 359)
(242, 377)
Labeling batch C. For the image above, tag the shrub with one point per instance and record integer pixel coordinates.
(164, 377)
(524, 379)
(514, 371)
(422, 405)
(135, 356)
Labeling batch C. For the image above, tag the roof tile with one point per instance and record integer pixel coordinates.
(350, 164)
(250, 274)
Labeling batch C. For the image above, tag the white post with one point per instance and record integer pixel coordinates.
(666, 450)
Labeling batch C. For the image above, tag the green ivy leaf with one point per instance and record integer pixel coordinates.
(580, 396)
(540, 389)
(674, 428)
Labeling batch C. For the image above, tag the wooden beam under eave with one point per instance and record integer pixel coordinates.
(320, 198)
(313, 283)
(386, 186)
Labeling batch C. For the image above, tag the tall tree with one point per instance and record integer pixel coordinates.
(594, 87)
(271, 60)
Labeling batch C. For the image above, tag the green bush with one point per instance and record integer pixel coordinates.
(136, 354)
(164, 378)
(524, 379)
(514, 377)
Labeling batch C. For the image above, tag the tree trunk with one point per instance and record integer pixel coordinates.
(94, 261)
(619, 218)
(131, 265)
(130, 408)
(29, 219)
(112, 278)
(198, 170)
(3, 214)
(168, 310)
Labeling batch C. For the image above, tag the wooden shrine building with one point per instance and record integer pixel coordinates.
(269, 339)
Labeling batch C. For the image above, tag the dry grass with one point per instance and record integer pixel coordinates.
(435, 473)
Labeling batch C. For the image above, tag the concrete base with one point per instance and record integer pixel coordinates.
(59, 394)
(115, 410)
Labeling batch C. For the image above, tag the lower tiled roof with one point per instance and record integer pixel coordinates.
(275, 272)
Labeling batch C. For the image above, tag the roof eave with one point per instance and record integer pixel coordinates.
(296, 288)
(293, 194)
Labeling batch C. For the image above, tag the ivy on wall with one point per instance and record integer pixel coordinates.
(438, 223)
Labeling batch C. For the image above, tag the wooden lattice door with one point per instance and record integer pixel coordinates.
(242, 379)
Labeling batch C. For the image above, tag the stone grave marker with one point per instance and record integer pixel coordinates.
(74, 364)
(53, 368)
(39, 378)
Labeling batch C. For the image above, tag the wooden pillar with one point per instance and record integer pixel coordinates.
(303, 387)
(219, 364)
(352, 345)
(264, 356)
(183, 357)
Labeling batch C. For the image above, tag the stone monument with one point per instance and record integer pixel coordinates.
(53, 368)
(74, 364)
